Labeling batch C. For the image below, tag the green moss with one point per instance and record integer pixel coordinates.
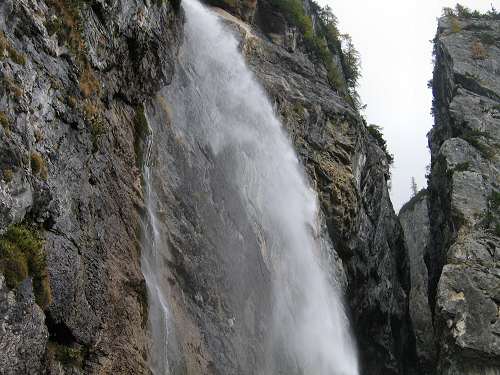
(67, 355)
(22, 255)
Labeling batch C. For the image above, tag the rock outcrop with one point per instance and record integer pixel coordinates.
(464, 196)
(414, 218)
(72, 75)
(457, 232)
(422, 290)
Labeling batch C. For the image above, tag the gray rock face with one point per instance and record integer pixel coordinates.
(23, 335)
(68, 93)
(414, 218)
(463, 258)
(70, 147)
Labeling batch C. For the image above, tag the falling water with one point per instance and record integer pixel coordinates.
(216, 101)
(151, 268)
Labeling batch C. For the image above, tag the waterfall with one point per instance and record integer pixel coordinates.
(216, 101)
(151, 268)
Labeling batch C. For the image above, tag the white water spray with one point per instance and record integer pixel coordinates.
(216, 101)
(151, 268)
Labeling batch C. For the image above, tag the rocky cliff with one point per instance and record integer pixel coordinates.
(74, 78)
(350, 173)
(464, 196)
(454, 227)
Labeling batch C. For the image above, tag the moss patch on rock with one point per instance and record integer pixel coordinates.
(73, 356)
(22, 256)
(7, 48)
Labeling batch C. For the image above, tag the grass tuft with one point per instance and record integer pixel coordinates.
(67, 355)
(38, 165)
(8, 175)
(7, 48)
(22, 255)
(478, 52)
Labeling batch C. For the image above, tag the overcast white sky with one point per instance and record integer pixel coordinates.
(393, 37)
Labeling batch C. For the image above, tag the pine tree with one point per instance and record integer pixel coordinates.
(414, 188)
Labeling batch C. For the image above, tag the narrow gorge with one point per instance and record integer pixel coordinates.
(190, 188)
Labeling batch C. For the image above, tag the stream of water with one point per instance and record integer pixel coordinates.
(217, 101)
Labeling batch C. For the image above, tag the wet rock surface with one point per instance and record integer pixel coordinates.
(350, 173)
(71, 77)
(422, 290)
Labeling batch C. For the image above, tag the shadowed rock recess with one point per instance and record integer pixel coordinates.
(82, 86)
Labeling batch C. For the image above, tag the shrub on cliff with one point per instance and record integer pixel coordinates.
(324, 40)
(461, 11)
(22, 255)
(376, 132)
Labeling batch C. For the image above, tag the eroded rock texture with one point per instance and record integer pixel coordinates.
(71, 77)
(464, 252)
(414, 218)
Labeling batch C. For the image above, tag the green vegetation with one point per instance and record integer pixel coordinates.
(5, 47)
(487, 39)
(22, 255)
(8, 175)
(38, 165)
(455, 25)
(462, 167)
(376, 132)
(324, 42)
(67, 25)
(94, 119)
(417, 197)
(67, 355)
(474, 138)
(495, 199)
(38, 135)
(14, 90)
(89, 85)
(478, 52)
(461, 11)
(4, 121)
(494, 206)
